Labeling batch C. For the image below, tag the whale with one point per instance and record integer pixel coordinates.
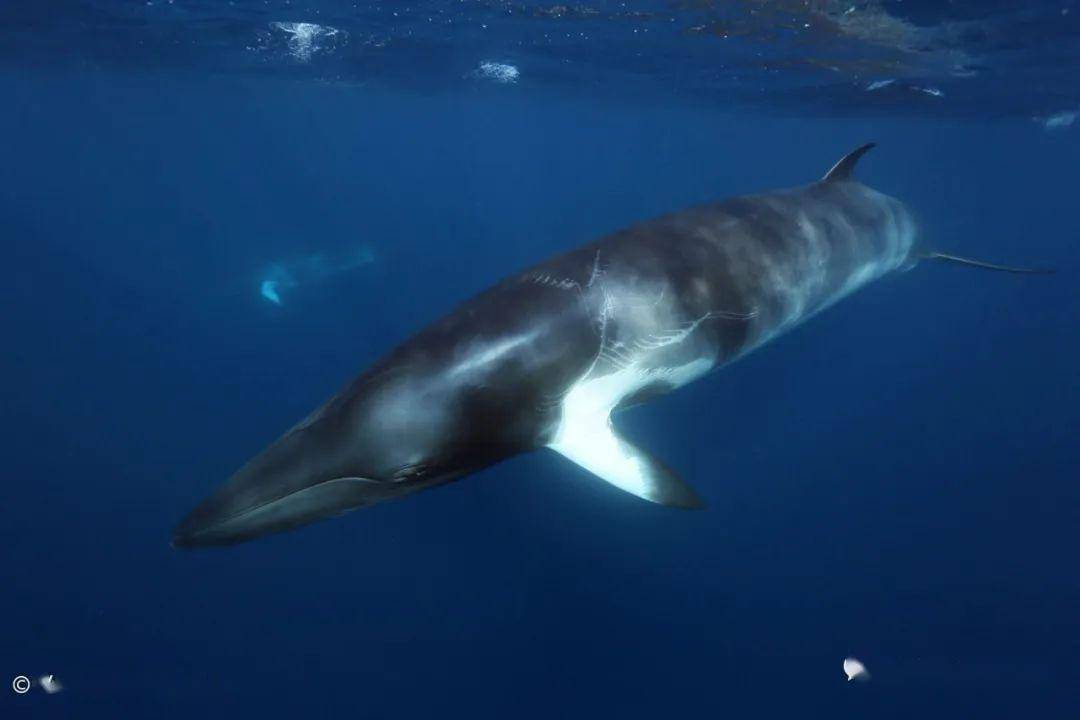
(545, 358)
(280, 277)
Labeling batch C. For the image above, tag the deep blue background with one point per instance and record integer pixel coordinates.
(895, 480)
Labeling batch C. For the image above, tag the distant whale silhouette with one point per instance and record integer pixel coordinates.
(544, 358)
(309, 270)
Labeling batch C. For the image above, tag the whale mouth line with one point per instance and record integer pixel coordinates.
(273, 512)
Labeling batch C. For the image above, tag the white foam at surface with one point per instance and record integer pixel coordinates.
(307, 38)
(502, 73)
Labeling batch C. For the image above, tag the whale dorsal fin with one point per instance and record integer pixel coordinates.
(596, 446)
(842, 170)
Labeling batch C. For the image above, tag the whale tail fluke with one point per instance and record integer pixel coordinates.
(956, 259)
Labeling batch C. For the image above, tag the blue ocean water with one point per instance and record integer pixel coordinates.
(894, 480)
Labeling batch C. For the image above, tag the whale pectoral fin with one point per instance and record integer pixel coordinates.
(600, 450)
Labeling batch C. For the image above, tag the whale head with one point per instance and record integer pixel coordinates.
(320, 469)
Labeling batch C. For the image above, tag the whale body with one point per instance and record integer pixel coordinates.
(545, 357)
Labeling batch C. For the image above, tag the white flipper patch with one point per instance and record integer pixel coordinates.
(596, 447)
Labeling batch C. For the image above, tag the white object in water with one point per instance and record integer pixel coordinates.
(269, 290)
(50, 684)
(855, 670)
(305, 39)
(1060, 120)
(502, 73)
(930, 91)
(878, 84)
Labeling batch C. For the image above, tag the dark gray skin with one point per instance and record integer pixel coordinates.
(544, 357)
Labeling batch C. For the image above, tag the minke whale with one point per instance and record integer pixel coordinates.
(545, 357)
(286, 276)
